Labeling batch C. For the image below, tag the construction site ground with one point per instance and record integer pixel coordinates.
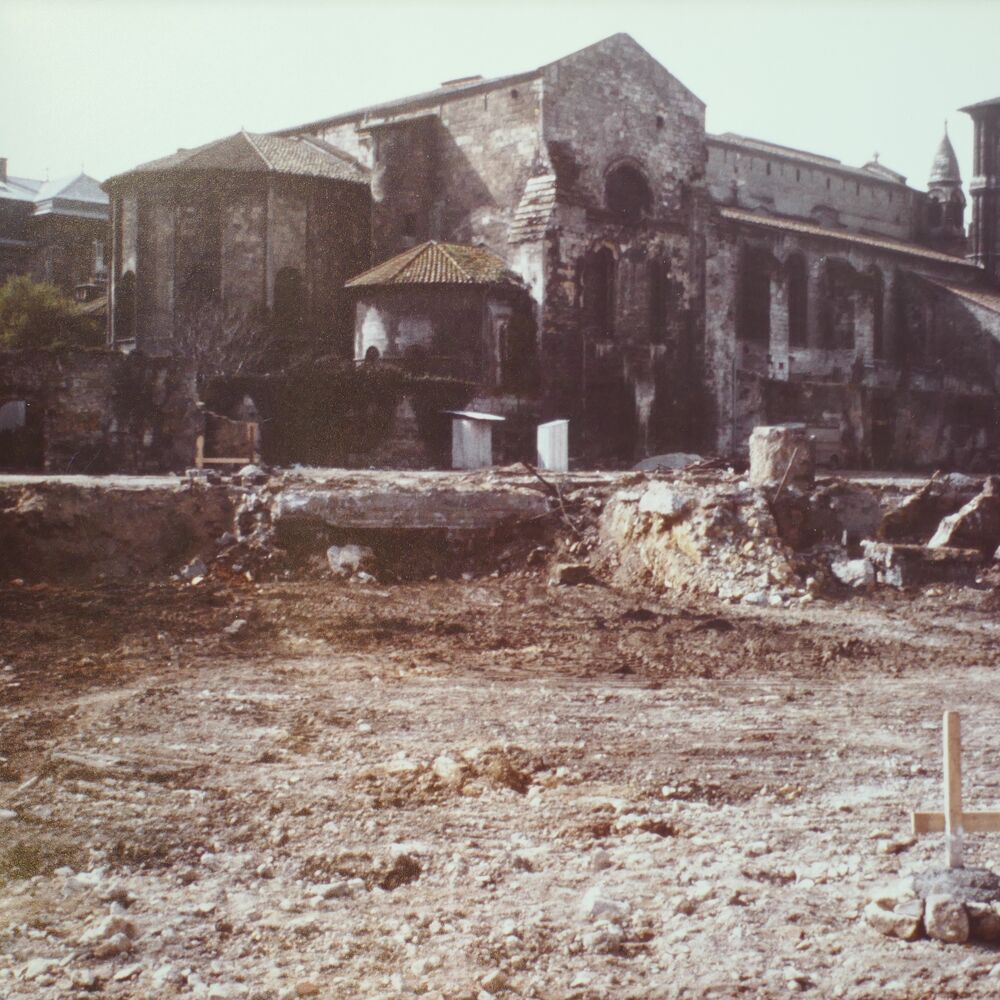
(477, 787)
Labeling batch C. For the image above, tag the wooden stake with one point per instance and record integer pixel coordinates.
(954, 830)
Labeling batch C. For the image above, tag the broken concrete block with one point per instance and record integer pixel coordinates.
(784, 452)
(857, 573)
(917, 517)
(904, 566)
(976, 525)
(946, 919)
(673, 460)
(984, 921)
(349, 560)
(663, 499)
(569, 574)
(904, 921)
(844, 509)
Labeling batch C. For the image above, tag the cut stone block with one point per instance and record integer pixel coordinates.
(976, 525)
(946, 919)
(781, 449)
(913, 565)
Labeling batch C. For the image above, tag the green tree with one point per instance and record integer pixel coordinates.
(35, 314)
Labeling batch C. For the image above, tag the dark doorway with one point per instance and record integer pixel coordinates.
(22, 441)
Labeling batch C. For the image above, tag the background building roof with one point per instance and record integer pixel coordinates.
(79, 196)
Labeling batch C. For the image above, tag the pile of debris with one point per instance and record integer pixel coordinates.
(776, 536)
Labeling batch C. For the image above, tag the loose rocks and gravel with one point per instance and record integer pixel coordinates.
(483, 785)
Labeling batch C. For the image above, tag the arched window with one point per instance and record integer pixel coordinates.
(798, 300)
(288, 301)
(598, 299)
(754, 322)
(840, 285)
(627, 194)
(124, 316)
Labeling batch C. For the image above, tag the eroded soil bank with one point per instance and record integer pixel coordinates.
(475, 788)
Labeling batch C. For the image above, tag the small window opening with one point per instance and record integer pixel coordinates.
(769, 169)
(515, 93)
(660, 121)
(828, 183)
(798, 175)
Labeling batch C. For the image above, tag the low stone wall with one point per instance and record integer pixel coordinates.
(92, 411)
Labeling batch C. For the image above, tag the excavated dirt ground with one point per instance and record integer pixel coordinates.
(383, 791)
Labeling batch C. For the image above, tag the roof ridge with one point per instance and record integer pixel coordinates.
(444, 248)
(253, 145)
(417, 252)
(885, 242)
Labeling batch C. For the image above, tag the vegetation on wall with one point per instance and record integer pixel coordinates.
(332, 412)
(34, 314)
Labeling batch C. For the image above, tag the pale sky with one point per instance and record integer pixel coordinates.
(108, 84)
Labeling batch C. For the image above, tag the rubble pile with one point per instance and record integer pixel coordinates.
(784, 543)
(715, 536)
(952, 905)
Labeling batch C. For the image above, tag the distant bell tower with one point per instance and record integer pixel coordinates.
(985, 186)
(945, 200)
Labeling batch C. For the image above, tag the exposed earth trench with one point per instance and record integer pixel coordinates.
(468, 788)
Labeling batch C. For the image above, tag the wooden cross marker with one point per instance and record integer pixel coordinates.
(953, 822)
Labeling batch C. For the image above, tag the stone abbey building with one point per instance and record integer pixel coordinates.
(573, 242)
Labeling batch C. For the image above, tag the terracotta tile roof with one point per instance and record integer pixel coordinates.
(984, 297)
(248, 152)
(436, 263)
(859, 239)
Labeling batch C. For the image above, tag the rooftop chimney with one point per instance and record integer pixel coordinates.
(3, 169)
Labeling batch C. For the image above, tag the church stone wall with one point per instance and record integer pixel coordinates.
(458, 167)
(629, 383)
(752, 179)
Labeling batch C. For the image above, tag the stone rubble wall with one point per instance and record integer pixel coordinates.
(102, 411)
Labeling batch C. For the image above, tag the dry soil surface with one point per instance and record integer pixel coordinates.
(476, 788)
